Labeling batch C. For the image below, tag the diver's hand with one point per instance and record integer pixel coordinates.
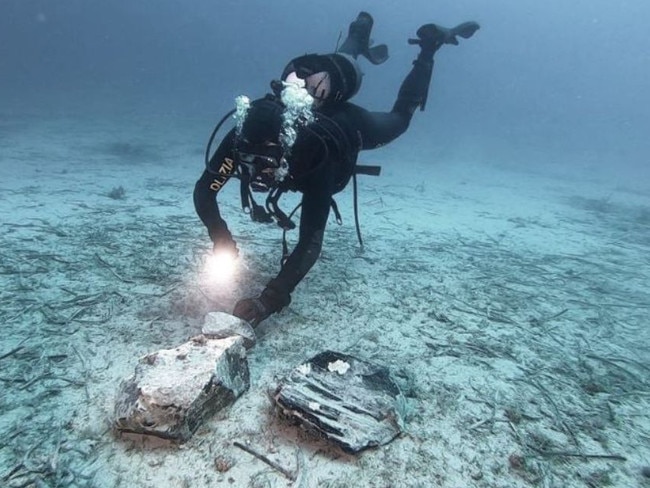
(255, 310)
(222, 241)
(252, 310)
(221, 265)
(226, 246)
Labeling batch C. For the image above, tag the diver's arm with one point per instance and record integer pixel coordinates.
(219, 170)
(313, 219)
(205, 204)
(277, 293)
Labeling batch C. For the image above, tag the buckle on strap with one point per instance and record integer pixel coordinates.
(249, 205)
(337, 214)
(274, 211)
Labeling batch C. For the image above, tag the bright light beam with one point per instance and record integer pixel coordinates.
(220, 266)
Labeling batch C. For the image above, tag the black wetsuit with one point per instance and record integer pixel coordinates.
(350, 129)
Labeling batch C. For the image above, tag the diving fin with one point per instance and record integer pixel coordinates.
(432, 36)
(464, 30)
(358, 41)
(377, 54)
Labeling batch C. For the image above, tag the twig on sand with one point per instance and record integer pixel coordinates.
(480, 423)
(110, 268)
(13, 471)
(48, 375)
(291, 476)
(543, 320)
(559, 418)
(492, 417)
(25, 310)
(86, 371)
(612, 457)
(612, 361)
(16, 349)
(41, 472)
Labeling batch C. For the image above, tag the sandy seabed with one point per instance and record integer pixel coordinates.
(511, 306)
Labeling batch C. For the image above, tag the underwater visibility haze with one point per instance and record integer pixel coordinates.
(503, 279)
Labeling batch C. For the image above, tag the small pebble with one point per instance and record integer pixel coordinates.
(477, 475)
(645, 471)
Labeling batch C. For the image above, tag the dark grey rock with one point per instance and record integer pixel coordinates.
(354, 403)
(174, 390)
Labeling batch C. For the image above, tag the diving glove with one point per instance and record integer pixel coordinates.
(226, 246)
(432, 36)
(222, 241)
(255, 310)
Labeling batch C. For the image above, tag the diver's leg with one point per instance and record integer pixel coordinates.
(380, 128)
(376, 128)
(415, 89)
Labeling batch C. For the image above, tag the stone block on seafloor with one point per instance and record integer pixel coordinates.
(218, 325)
(349, 401)
(173, 391)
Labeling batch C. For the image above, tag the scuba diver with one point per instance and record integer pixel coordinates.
(277, 148)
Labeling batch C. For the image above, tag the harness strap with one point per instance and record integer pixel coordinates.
(367, 169)
(356, 209)
(361, 169)
(248, 203)
(337, 214)
(275, 211)
(244, 192)
(285, 246)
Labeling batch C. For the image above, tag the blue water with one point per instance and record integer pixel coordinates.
(563, 83)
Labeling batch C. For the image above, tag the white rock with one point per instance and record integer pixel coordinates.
(219, 325)
(338, 366)
(174, 390)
